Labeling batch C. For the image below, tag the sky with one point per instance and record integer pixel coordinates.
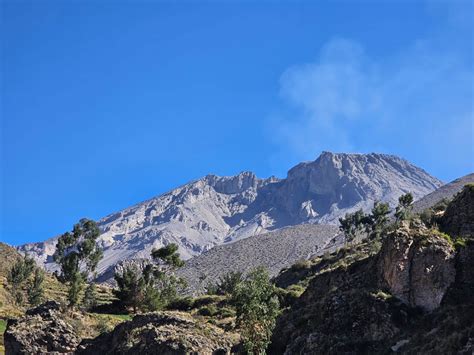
(107, 103)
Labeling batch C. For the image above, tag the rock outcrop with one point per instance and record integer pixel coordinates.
(41, 331)
(458, 219)
(417, 266)
(167, 333)
(216, 210)
(414, 296)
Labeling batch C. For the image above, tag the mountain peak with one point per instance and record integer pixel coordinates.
(218, 209)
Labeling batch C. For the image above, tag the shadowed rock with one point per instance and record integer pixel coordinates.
(169, 333)
(41, 331)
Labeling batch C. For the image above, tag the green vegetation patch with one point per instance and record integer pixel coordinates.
(3, 327)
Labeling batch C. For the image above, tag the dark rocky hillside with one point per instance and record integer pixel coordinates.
(411, 297)
(458, 219)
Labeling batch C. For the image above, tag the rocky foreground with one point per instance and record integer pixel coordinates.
(43, 330)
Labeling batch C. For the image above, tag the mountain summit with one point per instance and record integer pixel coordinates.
(215, 210)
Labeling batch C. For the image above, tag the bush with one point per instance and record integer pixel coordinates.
(182, 304)
(103, 326)
(207, 311)
(225, 312)
(382, 295)
(302, 264)
(206, 300)
(227, 283)
(460, 242)
(211, 289)
(288, 296)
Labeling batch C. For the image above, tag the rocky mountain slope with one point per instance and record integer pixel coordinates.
(446, 191)
(216, 210)
(274, 250)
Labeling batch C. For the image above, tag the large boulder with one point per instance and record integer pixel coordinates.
(166, 333)
(417, 266)
(41, 331)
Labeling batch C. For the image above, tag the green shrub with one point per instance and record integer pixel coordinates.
(288, 296)
(382, 295)
(225, 312)
(460, 242)
(302, 264)
(206, 300)
(227, 283)
(208, 311)
(182, 304)
(443, 235)
(103, 326)
(211, 289)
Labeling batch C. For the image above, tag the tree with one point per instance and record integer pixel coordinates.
(353, 224)
(35, 289)
(162, 286)
(158, 288)
(154, 286)
(78, 254)
(404, 208)
(257, 307)
(130, 287)
(90, 296)
(76, 285)
(168, 255)
(379, 218)
(20, 271)
(229, 282)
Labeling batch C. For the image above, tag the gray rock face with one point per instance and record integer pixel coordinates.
(41, 331)
(418, 267)
(216, 210)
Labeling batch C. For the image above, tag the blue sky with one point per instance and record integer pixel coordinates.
(105, 104)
